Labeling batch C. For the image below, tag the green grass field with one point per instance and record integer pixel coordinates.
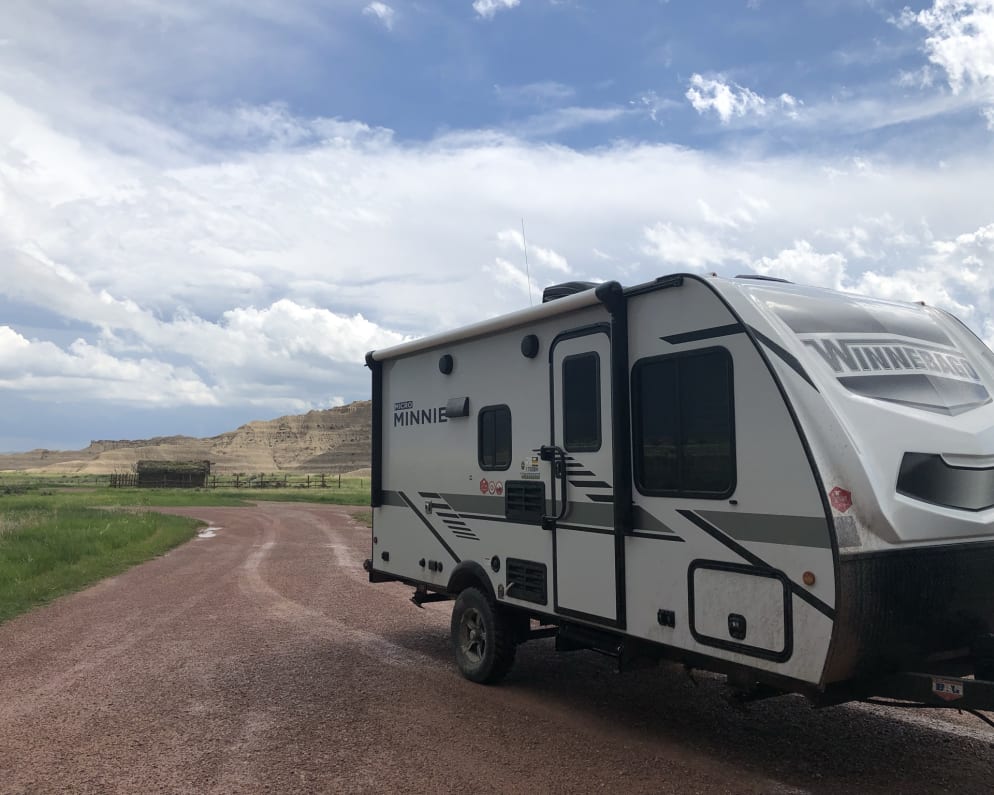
(57, 537)
(52, 545)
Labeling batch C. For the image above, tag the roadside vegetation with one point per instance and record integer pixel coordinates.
(61, 533)
(51, 545)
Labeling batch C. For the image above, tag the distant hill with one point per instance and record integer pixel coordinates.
(329, 440)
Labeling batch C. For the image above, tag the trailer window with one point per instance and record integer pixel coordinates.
(582, 402)
(495, 437)
(683, 424)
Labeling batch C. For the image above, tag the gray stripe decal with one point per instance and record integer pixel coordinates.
(646, 521)
(751, 557)
(654, 536)
(428, 524)
(591, 513)
(594, 514)
(789, 359)
(797, 531)
(475, 503)
(704, 334)
(490, 508)
(393, 498)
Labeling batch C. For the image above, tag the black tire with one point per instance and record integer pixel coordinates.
(482, 638)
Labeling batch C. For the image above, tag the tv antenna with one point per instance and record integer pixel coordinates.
(528, 275)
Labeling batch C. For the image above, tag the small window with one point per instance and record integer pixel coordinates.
(582, 403)
(683, 424)
(495, 437)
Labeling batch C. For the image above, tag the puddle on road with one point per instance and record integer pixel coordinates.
(208, 532)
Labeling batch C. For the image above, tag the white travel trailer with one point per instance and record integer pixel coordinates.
(788, 485)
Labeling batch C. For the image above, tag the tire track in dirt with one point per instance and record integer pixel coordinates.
(311, 620)
(263, 659)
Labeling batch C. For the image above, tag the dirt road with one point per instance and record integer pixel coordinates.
(260, 659)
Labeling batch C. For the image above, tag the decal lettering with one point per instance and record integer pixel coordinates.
(863, 356)
(406, 415)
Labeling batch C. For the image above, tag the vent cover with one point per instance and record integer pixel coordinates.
(554, 291)
(524, 501)
(927, 477)
(526, 580)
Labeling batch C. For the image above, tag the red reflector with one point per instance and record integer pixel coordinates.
(841, 499)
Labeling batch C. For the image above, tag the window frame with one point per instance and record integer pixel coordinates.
(638, 446)
(479, 438)
(589, 447)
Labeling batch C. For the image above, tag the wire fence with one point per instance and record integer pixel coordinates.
(18, 482)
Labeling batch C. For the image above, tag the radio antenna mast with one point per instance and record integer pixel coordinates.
(528, 275)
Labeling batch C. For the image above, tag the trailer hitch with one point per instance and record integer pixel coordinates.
(422, 597)
(557, 457)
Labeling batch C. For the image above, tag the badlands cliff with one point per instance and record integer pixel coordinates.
(329, 440)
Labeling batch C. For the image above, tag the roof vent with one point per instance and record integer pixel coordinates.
(555, 291)
(759, 278)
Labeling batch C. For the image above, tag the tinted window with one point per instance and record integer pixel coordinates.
(582, 402)
(495, 437)
(684, 437)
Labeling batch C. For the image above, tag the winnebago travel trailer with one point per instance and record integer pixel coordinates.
(788, 485)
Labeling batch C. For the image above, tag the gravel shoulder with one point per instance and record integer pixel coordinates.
(260, 659)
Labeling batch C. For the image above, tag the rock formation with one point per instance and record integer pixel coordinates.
(329, 440)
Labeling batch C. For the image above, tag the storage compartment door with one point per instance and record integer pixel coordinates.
(741, 608)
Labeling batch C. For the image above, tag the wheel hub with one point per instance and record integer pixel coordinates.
(474, 636)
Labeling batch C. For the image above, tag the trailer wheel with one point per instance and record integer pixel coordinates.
(482, 638)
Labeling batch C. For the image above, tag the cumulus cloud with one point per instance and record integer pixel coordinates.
(655, 105)
(262, 274)
(39, 369)
(508, 274)
(960, 39)
(801, 263)
(537, 254)
(486, 9)
(679, 246)
(730, 100)
(382, 12)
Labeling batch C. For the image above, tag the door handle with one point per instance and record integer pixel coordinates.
(557, 457)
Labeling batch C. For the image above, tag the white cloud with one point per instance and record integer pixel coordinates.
(84, 371)
(509, 274)
(560, 120)
(678, 247)
(536, 254)
(487, 8)
(803, 264)
(655, 105)
(262, 274)
(960, 40)
(730, 100)
(382, 12)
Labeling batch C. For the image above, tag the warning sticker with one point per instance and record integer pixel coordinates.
(499, 488)
(484, 486)
(947, 689)
(529, 469)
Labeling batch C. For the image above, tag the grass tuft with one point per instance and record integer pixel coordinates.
(50, 546)
(57, 540)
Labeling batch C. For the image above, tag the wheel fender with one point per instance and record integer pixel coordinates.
(467, 574)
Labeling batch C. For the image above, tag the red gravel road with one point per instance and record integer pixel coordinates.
(261, 660)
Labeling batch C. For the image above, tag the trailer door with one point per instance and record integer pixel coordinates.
(585, 582)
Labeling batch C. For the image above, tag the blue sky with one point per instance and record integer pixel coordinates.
(210, 210)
